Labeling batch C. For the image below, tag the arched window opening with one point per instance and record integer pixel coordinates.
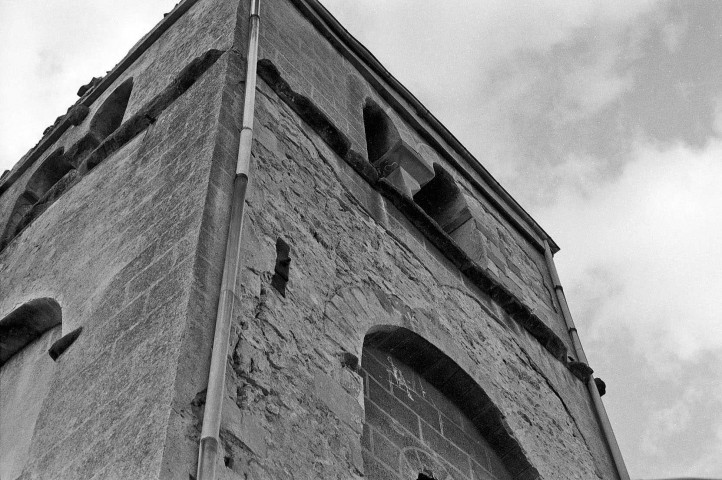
(381, 134)
(26, 372)
(23, 205)
(394, 159)
(48, 174)
(110, 114)
(50, 171)
(443, 201)
(428, 419)
(27, 323)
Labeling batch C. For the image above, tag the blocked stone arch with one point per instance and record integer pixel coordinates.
(110, 114)
(425, 417)
(26, 371)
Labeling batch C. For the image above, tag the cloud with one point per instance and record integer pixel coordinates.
(454, 46)
(590, 88)
(709, 463)
(655, 232)
(49, 50)
(669, 422)
(641, 261)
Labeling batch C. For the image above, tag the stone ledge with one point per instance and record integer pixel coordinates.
(116, 140)
(338, 142)
(77, 112)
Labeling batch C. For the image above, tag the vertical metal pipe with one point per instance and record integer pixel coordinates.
(208, 448)
(579, 352)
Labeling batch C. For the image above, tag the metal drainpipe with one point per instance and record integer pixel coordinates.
(591, 386)
(208, 449)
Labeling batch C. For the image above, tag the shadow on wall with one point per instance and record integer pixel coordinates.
(26, 372)
(30, 344)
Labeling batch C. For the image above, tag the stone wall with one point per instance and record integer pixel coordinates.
(131, 240)
(295, 403)
(328, 77)
(124, 249)
(30, 373)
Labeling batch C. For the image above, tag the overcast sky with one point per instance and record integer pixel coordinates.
(604, 119)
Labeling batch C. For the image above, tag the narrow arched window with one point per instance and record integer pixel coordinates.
(26, 370)
(381, 133)
(110, 114)
(394, 159)
(48, 173)
(27, 323)
(442, 200)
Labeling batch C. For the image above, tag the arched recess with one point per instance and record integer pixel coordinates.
(394, 159)
(110, 114)
(27, 323)
(442, 200)
(427, 418)
(381, 133)
(48, 173)
(26, 371)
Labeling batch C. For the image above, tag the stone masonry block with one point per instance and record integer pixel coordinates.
(247, 428)
(390, 428)
(144, 280)
(340, 402)
(451, 453)
(471, 240)
(394, 407)
(473, 446)
(386, 451)
(376, 370)
(377, 470)
(418, 405)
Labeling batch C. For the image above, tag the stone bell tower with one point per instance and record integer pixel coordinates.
(394, 313)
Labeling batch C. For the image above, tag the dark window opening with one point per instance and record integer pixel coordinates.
(27, 323)
(48, 174)
(381, 134)
(82, 148)
(443, 201)
(283, 263)
(50, 171)
(110, 114)
(22, 206)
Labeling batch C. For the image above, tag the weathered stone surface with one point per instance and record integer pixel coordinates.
(133, 253)
(98, 250)
(350, 311)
